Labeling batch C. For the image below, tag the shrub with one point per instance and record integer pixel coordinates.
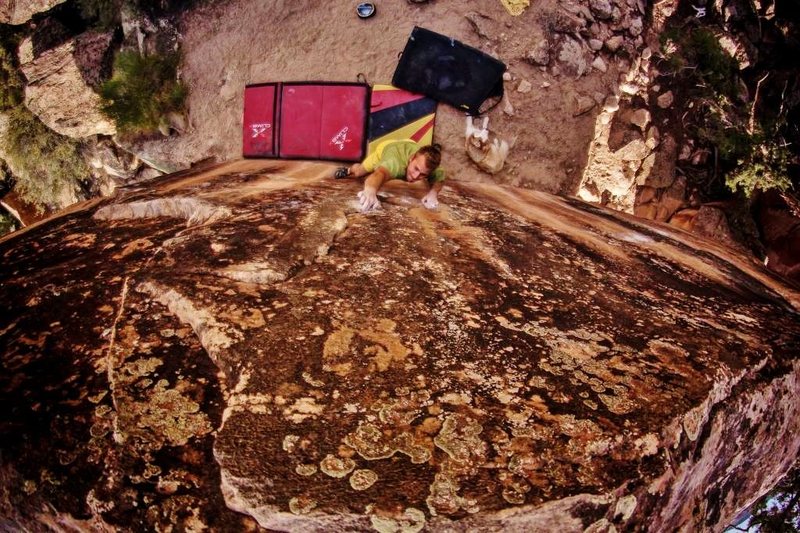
(695, 53)
(724, 126)
(750, 155)
(7, 223)
(105, 14)
(11, 85)
(142, 92)
(714, 65)
(48, 165)
(765, 169)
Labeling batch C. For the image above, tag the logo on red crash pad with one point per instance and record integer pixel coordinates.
(260, 129)
(341, 138)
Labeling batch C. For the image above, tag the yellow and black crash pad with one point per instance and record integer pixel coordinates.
(396, 114)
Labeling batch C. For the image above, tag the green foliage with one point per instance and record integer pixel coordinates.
(11, 85)
(713, 63)
(765, 169)
(724, 128)
(48, 165)
(670, 51)
(695, 53)
(748, 151)
(7, 223)
(709, 75)
(104, 13)
(142, 92)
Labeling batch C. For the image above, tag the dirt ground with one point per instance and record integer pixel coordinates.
(230, 44)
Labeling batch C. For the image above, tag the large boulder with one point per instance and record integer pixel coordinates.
(630, 163)
(709, 221)
(94, 55)
(24, 212)
(616, 155)
(660, 203)
(658, 170)
(57, 92)
(20, 11)
(242, 348)
(778, 219)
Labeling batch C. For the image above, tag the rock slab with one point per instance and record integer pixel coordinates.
(240, 347)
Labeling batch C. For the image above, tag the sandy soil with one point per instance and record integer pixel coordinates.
(233, 43)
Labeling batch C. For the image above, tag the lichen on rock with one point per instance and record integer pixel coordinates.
(459, 439)
(370, 442)
(363, 479)
(336, 467)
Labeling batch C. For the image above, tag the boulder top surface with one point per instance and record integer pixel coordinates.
(241, 338)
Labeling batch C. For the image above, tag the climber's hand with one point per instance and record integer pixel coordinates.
(368, 200)
(431, 200)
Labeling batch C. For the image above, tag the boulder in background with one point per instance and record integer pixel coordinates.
(779, 224)
(58, 94)
(708, 221)
(20, 11)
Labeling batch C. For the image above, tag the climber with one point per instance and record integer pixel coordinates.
(405, 160)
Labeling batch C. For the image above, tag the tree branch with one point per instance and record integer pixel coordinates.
(751, 125)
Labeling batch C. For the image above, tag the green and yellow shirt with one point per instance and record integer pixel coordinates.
(394, 157)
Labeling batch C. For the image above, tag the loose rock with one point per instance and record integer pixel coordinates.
(613, 43)
(481, 25)
(599, 64)
(601, 9)
(572, 57)
(582, 104)
(508, 108)
(612, 104)
(539, 54)
(640, 118)
(636, 27)
(665, 100)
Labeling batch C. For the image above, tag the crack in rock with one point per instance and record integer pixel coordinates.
(213, 335)
(259, 273)
(195, 212)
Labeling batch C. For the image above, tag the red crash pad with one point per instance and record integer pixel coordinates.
(308, 120)
(324, 121)
(259, 123)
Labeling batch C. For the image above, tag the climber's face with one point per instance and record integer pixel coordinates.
(417, 169)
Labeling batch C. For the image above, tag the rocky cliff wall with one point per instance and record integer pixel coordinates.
(21, 11)
(239, 348)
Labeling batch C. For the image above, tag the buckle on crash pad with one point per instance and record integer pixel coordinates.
(365, 10)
